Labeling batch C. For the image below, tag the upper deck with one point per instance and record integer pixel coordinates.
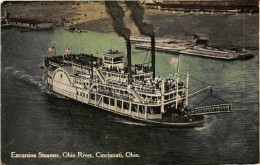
(111, 62)
(111, 69)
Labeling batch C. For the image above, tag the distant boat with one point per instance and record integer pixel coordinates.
(147, 39)
(175, 48)
(193, 49)
(30, 23)
(71, 29)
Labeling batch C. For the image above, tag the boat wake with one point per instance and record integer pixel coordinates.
(21, 74)
(7, 68)
(205, 126)
(34, 80)
(208, 122)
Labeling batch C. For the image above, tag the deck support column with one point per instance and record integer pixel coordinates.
(138, 110)
(122, 106)
(102, 101)
(145, 114)
(109, 106)
(130, 107)
(162, 97)
(115, 104)
(76, 94)
(87, 96)
(95, 99)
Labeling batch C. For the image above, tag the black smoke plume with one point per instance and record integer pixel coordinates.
(137, 12)
(117, 13)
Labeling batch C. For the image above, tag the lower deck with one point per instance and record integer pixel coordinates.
(143, 113)
(110, 103)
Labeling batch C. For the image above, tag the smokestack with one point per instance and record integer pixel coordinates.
(153, 55)
(129, 63)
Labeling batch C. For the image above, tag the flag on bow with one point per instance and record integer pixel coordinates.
(50, 49)
(66, 51)
(173, 60)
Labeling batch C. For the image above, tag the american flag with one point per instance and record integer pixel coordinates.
(173, 60)
(50, 49)
(66, 51)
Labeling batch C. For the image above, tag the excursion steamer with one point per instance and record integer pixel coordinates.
(125, 89)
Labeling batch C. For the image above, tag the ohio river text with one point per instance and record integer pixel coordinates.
(75, 155)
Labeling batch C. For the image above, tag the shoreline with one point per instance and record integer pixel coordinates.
(92, 16)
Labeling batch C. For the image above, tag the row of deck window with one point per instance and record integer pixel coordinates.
(81, 83)
(82, 94)
(125, 105)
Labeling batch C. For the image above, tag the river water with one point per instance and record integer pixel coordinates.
(37, 120)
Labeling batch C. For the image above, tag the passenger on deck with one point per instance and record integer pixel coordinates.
(146, 100)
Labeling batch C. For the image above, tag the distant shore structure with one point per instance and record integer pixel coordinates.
(243, 6)
(31, 23)
(5, 18)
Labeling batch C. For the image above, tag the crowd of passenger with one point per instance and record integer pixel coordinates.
(85, 60)
(135, 69)
(138, 68)
(115, 69)
(150, 85)
(170, 84)
(54, 59)
(120, 94)
(82, 59)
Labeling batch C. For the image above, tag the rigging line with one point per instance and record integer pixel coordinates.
(196, 79)
(140, 52)
(199, 91)
(220, 99)
(208, 97)
(145, 59)
(202, 100)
